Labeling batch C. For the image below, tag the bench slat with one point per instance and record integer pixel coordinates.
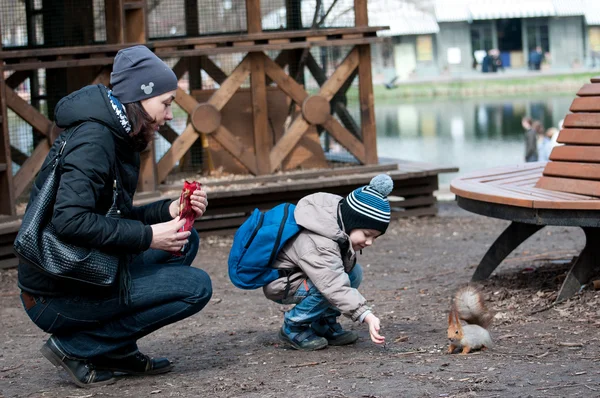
(579, 136)
(523, 193)
(582, 120)
(526, 179)
(506, 171)
(584, 187)
(526, 183)
(501, 179)
(585, 104)
(595, 79)
(544, 194)
(586, 171)
(489, 193)
(567, 204)
(589, 89)
(576, 153)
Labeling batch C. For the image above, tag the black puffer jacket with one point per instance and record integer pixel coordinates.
(85, 192)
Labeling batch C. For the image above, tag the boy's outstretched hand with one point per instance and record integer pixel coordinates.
(374, 327)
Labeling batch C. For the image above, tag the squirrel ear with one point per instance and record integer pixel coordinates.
(452, 317)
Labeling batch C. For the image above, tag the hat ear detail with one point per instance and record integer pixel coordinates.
(148, 88)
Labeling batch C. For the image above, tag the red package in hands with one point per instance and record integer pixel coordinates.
(185, 208)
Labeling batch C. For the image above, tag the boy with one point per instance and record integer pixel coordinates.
(318, 267)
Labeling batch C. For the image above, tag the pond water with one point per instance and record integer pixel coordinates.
(469, 133)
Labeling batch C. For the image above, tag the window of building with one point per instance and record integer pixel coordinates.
(481, 36)
(424, 48)
(595, 39)
(537, 34)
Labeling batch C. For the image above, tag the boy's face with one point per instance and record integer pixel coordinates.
(361, 238)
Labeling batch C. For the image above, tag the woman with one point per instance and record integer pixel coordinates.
(94, 331)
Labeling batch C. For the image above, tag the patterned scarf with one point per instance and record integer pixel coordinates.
(119, 111)
(124, 275)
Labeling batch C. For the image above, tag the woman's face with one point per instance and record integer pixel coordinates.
(159, 108)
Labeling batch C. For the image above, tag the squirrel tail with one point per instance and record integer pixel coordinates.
(470, 306)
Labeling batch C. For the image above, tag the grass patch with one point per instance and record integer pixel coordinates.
(480, 87)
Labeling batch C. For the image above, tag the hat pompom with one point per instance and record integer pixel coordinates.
(382, 183)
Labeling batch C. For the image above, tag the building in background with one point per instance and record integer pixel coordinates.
(470, 28)
(409, 49)
(592, 20)
(453, 37)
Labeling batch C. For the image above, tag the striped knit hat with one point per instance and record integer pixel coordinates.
(368, 207)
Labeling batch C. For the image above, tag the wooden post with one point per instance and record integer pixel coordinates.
(190, 162)
(135, 21)
(192, 30)
(114, 15)
(263, 140)
(365, 88)
(147, 180)
(7, 199)
(293, 16)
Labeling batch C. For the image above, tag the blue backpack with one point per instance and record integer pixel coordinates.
(256, 244)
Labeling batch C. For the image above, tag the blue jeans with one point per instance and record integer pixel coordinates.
(164, 290)
(312, 306)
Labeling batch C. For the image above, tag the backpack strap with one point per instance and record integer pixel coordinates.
(283, 273)
(286, 209)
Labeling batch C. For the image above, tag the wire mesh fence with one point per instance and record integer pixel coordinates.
(62, 23)
(58, 23)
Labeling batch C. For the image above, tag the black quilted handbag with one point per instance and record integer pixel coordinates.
(38, 244)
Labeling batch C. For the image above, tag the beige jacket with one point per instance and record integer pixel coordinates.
(317, 253)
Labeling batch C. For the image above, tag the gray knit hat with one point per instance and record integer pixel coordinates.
(138, 74)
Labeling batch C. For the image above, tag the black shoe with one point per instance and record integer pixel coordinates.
(333, 332)
(136, 364)
(82, 372)
(302, 338)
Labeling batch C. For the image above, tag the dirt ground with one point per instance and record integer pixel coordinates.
(230, 349)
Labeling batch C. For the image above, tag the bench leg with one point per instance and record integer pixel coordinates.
(515, 234)
(585, 266)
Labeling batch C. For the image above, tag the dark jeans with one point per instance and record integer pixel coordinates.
(164, 290)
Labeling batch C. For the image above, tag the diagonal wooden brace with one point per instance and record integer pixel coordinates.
(299, 127)
(218, 100)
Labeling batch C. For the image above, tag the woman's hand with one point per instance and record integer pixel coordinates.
(374, 327)
(165, 236)
(199, 202)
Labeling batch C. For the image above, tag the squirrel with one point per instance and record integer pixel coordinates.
(468, 306)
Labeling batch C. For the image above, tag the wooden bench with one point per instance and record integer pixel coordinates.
(564, 192)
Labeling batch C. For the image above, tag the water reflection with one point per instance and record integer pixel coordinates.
(471, 133)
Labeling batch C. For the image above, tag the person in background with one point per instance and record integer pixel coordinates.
(496, 61)
(534, 137)
(547, 143)
(536, 57)
(531, 153)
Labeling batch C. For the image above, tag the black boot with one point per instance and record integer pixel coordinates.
(330, 329)
(136, 364)
(82, 372)
(301, 337)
